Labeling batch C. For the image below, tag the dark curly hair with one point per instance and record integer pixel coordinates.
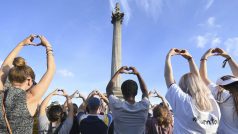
(55, 113)
(129, 88)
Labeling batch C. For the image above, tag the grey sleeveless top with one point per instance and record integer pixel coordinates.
(20, 120)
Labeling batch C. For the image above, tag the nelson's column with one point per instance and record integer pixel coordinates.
(117, 18)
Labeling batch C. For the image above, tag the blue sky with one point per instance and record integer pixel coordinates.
(81, 35)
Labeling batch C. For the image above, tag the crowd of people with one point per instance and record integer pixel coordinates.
(194, 105)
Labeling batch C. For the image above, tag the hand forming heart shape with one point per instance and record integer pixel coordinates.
(128, 70)
(29, 40)
(217, 51)
(179, 51)
(36, 39)
(60, 92)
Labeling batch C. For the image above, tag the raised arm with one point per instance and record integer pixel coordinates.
(112, 82)
(74, 95)
(233, 65)
(46, 101)
(82, 107)
(162, 98)
(38, 90)
(192, 66)
(7, 64)
(150, 94)
(82, 97)
(69, 105)
(141, 81)
(168, 71)
(103, 97)
(203, 66)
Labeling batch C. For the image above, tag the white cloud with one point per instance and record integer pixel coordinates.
(211, 22)
(231, 45)
(208, 39)
(112, 4)
(212, 40)
(216, 41)
(65, 73)
(201, 41)
(153, 8)
(209, 4)
(127, 10)
(1, 62)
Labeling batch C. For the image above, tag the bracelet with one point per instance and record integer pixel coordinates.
(228, 58)
(48, 47)
(203, 59)
(49, 52)
(189, 58)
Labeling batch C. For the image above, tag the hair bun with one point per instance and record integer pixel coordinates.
(19, 62)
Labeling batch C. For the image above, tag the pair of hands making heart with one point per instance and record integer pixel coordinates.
(215, 52)
(76, 94)
(128, 70)
(155, 94)
(60, 92)
(29, 41)
(182, 52)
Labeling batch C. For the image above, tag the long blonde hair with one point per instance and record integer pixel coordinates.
(197, 89)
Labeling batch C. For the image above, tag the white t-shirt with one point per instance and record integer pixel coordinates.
(129, 118)
(44, 125)
(229, 118)
(188, 119)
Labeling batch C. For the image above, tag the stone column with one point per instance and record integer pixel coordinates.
(117, 18)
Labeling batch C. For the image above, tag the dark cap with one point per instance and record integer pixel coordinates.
(94, 102)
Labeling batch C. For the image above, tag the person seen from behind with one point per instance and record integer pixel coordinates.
(93, 122)
(51, 118)
(162, 121)
(129, 116)
(195, 109)
(225, 91)
(20, 100)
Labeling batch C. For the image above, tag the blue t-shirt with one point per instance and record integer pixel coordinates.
(94, 124)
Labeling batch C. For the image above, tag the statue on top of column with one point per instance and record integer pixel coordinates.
(117, 15)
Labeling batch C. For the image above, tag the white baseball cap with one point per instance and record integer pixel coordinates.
(227, 79)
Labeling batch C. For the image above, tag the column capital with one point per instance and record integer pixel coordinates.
(117, 15)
